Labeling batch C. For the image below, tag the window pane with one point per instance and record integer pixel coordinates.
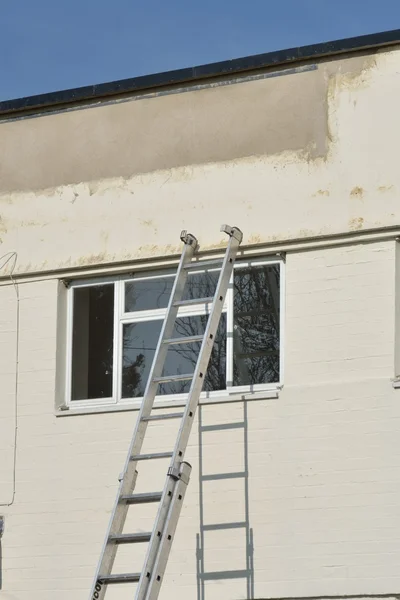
(201, 285)
(139, 344)
(92, 342)
(182, 358)
(148, 294)
(256, 325)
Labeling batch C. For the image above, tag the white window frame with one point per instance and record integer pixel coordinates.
(121, 318)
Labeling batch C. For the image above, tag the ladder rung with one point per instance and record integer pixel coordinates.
(164, 416)
(191, 301)
(184, 340)
(204, 264)
(142, 498)
(122, 578)
(151, 456)
(218, 476)
(130, 538)
(169, 378)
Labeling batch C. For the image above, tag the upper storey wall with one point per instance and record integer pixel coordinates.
(286, 154)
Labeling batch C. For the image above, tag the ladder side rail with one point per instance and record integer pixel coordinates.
(116, 525)
(146, 582)
(129, 474)
(201, 536)
(162, 349)
(171, 523)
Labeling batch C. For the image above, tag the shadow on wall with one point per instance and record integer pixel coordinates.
(224, 529)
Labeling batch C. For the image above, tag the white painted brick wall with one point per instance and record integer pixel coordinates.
(340, 311)
(8, 345)
(324, 459)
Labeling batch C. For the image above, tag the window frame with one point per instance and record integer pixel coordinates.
(122, 318)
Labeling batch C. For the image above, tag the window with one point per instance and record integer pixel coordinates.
(114, 326)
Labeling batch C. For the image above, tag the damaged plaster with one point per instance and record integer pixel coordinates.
(317, 166)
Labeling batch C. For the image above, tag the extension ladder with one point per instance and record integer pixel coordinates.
(171, 498)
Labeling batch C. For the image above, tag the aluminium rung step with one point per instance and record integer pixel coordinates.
(130, 538)
(168, 378)
(191, 301)
(152, 456)
(184, 340)
(141, 498)
(121, 578)
(204, 264)
(177, 415)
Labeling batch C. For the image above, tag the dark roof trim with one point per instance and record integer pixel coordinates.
(191, 74)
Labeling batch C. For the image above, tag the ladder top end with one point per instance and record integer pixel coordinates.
(233, 232)
(189, 239)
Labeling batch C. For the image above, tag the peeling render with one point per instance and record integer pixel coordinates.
(318, 166)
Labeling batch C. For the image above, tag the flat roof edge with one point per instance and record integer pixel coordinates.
(192, 74)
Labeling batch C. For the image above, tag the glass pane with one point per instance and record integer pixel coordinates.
(140, 341)
(92, 342)
(201, 285)
(182, 358)
(149, 294)
(256, 325)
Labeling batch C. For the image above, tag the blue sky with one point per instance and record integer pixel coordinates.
(47, 45)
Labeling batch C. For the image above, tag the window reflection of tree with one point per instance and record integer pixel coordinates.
(153, 293)
(100, 315)
(216, 373)
(202, 285)
(182, 357)
(255, 335)
(132, 374)
(256, 325)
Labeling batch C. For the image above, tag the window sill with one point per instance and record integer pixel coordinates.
(396, 383)
(66, 411)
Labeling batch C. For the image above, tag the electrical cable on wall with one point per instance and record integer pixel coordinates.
(8, 257)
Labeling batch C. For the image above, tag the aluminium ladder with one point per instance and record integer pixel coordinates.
(170, 499)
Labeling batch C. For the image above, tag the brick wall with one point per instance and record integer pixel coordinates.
(323, 460)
